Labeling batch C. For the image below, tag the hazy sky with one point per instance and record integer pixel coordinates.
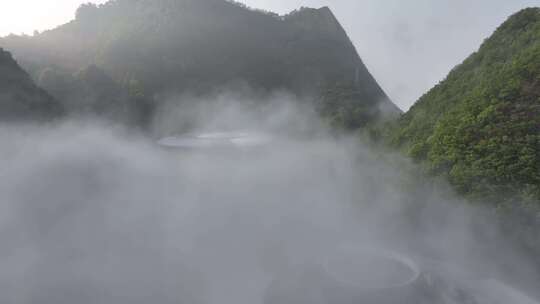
(408, 45)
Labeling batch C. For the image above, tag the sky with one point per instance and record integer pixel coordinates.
(409, 46)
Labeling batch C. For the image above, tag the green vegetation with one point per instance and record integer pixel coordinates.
(170, 47)
(91, 92)
(20, 98)
(339, 105)
(480, 127)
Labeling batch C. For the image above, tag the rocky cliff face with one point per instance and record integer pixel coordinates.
(20, 98)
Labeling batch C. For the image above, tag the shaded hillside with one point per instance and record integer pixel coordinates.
(481, 125)
(91, 92)
(174, 46)
(20, 98)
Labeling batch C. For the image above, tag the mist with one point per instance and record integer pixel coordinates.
(96, 213)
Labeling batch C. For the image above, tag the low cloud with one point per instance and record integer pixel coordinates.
(94, 214)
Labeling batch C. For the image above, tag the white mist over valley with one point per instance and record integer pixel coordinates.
(97, 214)
(210, 152)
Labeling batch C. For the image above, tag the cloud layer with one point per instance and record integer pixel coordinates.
(94, 214)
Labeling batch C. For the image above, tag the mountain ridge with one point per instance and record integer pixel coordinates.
(170, 47)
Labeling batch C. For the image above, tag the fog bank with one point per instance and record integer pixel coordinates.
(96, 214)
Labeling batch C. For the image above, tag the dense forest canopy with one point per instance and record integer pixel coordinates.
(480, 127)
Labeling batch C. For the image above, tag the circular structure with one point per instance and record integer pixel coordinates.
(216, 140)
(350, 276)
(372, 276)
(371, 270)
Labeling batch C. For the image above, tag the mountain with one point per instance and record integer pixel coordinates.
(480, 127)
(20, 98)
(91, 92)
(170, 47)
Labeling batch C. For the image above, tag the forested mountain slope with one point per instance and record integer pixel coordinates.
(20, 98)
(91, 92)
(481, 125)
(169, 47)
